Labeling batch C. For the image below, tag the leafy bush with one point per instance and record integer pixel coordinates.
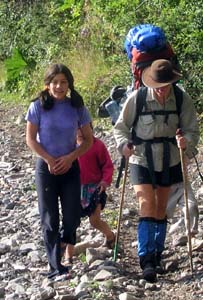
(88, 36)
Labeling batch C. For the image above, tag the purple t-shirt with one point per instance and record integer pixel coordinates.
(57, 127)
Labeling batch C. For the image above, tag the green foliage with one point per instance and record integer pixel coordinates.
(111, 217)
(15, 65)
(88, 36)
(82, 257)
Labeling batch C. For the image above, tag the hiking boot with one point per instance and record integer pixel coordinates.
(148, 265)
(160, 268)
(149, 273)
(159, 264)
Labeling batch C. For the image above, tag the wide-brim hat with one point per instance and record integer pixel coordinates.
(159, 74)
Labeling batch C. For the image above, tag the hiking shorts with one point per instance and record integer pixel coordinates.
(140, 175)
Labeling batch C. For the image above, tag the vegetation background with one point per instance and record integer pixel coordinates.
(88, 36)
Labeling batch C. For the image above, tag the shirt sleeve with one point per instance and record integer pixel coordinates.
(84, 116)
(33, 113)
(105, 162)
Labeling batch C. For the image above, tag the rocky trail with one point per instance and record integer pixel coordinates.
(95, 276)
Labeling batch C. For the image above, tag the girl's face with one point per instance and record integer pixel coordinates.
(58, 87)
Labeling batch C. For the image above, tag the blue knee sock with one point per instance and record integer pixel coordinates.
(160, 235)
(146, 236)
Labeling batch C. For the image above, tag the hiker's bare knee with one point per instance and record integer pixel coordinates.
(146, 197)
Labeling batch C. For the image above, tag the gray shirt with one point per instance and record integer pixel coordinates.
(149, 127)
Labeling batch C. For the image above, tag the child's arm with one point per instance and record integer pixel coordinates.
(106, 165)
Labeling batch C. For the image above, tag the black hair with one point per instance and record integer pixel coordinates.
(46, 100)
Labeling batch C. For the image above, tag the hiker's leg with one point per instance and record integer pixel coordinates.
(146, 247)
(162, 194)
(160, 236)
(146, 230)
(147, 200)
(98, 223)
(161, 224)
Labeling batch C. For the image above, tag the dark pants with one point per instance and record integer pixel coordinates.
(50, 189)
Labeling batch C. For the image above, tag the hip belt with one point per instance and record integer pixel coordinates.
(148, 153)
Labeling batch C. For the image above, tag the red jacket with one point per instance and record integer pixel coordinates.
(96, 164)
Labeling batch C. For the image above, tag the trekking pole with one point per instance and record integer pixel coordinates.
(122, 165)
(185, 184)
(120, 210)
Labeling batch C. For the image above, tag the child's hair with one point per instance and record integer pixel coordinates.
(47, 101)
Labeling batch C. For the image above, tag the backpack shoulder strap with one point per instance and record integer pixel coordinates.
(140, 102)
(179, 98)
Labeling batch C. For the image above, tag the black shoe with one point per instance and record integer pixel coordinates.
(148, 265)
(160, 268)
(149, 273)
(159, 264)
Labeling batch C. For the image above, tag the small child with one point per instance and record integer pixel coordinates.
(96, 171)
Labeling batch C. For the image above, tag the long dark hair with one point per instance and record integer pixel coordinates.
(47, 101)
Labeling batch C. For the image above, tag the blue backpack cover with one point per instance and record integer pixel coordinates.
(145, 38)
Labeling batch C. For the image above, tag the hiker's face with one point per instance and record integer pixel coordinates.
(58, 87)
(163, 92)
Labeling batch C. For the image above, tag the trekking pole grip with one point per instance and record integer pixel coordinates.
(122, 166)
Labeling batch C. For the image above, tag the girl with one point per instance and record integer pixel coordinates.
(96, 171)
(52, 122)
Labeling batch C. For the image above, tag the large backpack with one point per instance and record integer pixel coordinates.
(145, 38)
(144, 44)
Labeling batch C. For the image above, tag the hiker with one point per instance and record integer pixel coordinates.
(96, 171)
(52, 122)
(154, 160)
(176, 198)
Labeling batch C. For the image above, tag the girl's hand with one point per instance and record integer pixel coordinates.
(62, 165)
(51, 164)
(102, 186)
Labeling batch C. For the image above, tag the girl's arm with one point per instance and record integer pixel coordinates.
(106, 165)
(64, 163)
(31, 140)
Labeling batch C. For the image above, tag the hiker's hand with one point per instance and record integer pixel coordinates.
(181, 140)
(127, 150)
(102, 186)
